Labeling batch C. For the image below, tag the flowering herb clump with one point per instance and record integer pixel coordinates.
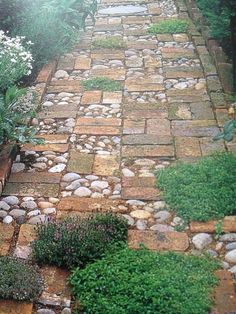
(74, 242)
(15, 60)
(19, 280)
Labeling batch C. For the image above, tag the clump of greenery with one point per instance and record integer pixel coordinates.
(111, 43)
(19, 280)
(170, 26)
(101, 83)
(145, 282)
(201, 191)
(13, 120)
(75, 242)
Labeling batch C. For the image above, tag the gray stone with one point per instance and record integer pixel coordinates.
(3, 214)
(162, 216)
(40, 165)
(74, 185)
(141, 224)
(7, 219)
(49, 211)
(212, 253)
(135, 203)
(99, 184)
(17, 167)
(159, 205)
(225, 265)
(201, 240)
(230, 257)
(45, 311)
(66, 311)
(230, 246)
(23, 251)
(233, 269)
(123, 10)
(11, 200)
(129, 219)
(15, 213)
(127, 173)
(57, 169)
(29, 205)
(61, 74)
(229, 237)
(34, 213)
(82, 192)
(37, 220)
(4, 205)
(71, 176)
(162, 228)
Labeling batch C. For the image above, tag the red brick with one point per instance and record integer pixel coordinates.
(174, 241)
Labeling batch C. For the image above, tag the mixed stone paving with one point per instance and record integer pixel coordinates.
(102, 149)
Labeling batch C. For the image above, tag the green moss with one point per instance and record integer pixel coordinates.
(142, 281)
(101, 83)
(170, 26)
(201, 191)
(109, 43)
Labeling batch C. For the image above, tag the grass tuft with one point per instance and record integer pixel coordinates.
(101, 83)
(109, 43)
(201, 191)
(171, 26)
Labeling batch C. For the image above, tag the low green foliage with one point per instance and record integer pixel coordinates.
(201, 191)
(171, 26)
(74, 242)
(13, 121)
(110, 43)
(142, 281)
(18, 280)
(228, 133)
(101, 83)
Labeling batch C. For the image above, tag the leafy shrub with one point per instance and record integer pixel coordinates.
(112, 43)
(171, 26)
(218, 13)
(18, 280)
(74, 242)
(13, 120)
(15, 60)
(101, 83)
(145, 282)
(10, 14)
(201, 191)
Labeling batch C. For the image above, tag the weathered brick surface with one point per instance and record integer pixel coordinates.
(148, 151)
(183, 72)
(142, 193)
(58, 148)
(14, 307)
(80, 163)
(146, 139)
(91, 97)
(187, 147)
(196, 128)
(175, 241)
(27, 234)
(6, 237)
(31, 189)
(131, 126)
(82, 63)
(228, 225)
(105, 165)
(32, 177)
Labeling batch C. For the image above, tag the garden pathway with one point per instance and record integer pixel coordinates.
(102, 148)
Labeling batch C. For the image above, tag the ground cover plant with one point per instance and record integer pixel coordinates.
(75, 242)
(101, 83)
(109, 43)
(171, 26)
(18, 280)
(203, 190)
(141, 281)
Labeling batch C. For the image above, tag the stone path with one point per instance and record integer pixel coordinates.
(102, 148)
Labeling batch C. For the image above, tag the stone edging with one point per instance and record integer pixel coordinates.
(9, 152)
(224, 67)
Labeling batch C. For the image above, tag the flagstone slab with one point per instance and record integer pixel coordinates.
(138, 20)
(158, 241)
(54, 138)
(188, 95)
(82, 63)
(107, 54)
(143, 87)
(27, 235)
(98, 121)
(6, 236)
(194, 128)
(66, 63)
(187, 147)
(80, 163)
(97, 130)
(183, 72)
(146, 139)
(148, 151)
(176, 53)
(35, 177)
(228, 225)
(76, 204)
(123, 10)
(140, 45)
(208, 146)
(160, 127)
(14, 307)
(202, 111)
(138, 182)
(118, 74)
(31, 189)
(178, 111)
(57, 148)
(91, 97)
(60, 114)
(112, 97)
(105, 165)
(131, 126)
(140, 193)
